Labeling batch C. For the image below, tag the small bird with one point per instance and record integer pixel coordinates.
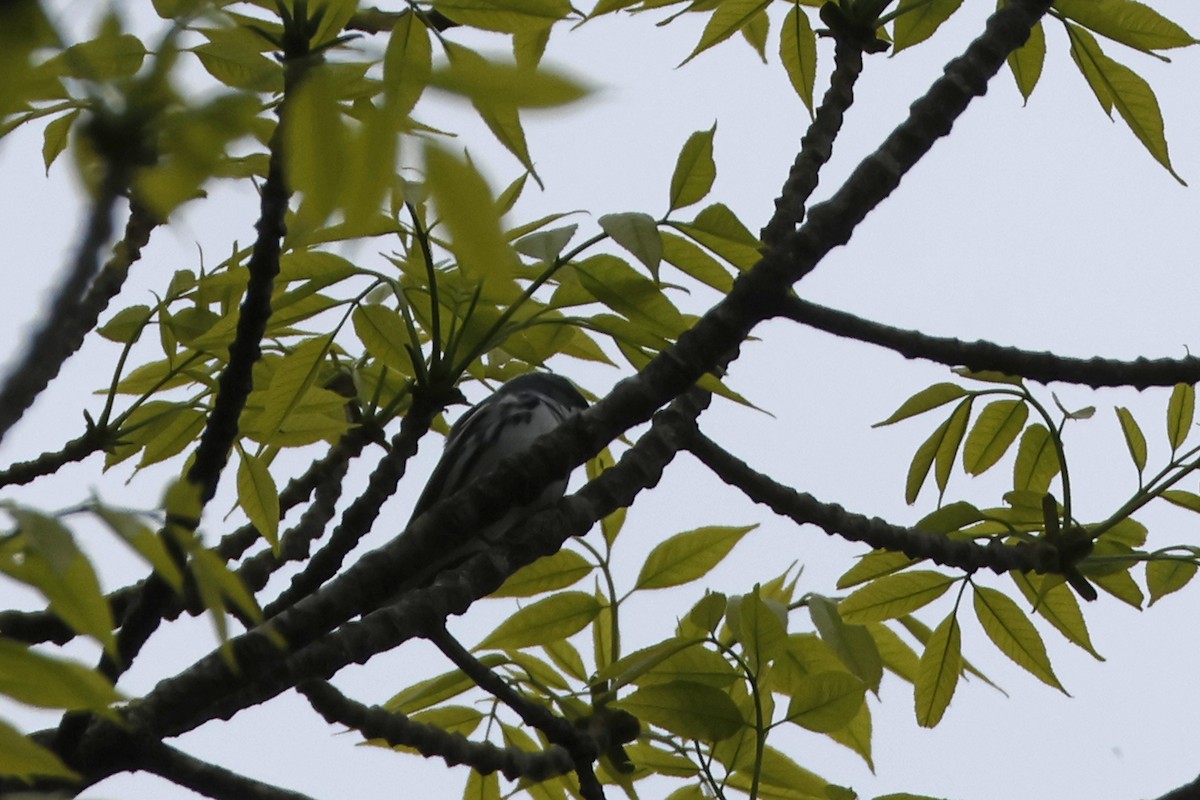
(499, 426)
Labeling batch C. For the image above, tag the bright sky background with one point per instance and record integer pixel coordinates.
(1045, 227)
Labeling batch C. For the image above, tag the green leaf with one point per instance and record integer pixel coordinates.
(692, 260)
(918, 24)
(694, 172)
(434, 690)
(1116, 85)
(52, 564)
(103, 58)
(1181, 498)
(759, 628)
(634, 296)
(695, 663)
(688, 556)
(894, 596)
(938, 671)
(798, 52)
(1181, 410)
(407, 64)
(505, 16)
(468, 210)
(826, 701)
(853, 645)
(630, 668)
(857, 734)
(896, 654)
(23, 758)
(36, 679)
(545, 245)
(1056, 604)
(555, 617)
(688, 709)
(994, 431)
(259, 498)
(637, 233)
(1134, 439)
(707, 614)
(662, 762)
(756, 31)
(384, 334)
(729, 18)
(927, 399)
(874, 565)
(234, 57)
(482, 787)
(547, 574)
(1126, 21)
(1026, 62)
(141, 538)
(126, 325)
(1037, 460)
(1119, 584)
(949, 518)
(943, 439)
(494, 85)
(1167, 575)
(1011, 631)
(719, 229)
(956, 427)
(54, 138)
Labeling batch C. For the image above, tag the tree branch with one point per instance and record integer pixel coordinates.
(836, 521)
(207, 779)
(980, 355)
(398, 730)
(816, 147)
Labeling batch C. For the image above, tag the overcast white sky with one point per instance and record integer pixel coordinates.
(1045, 227)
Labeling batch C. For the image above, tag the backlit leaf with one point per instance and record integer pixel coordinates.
(1167, 575)
(1057, 605)
(259, 498)
(938, 671)
(688, 556)
(23, 758)
(927, 399)
(37, 679)
(798, 52)
(1011, 631)
(1126, 21)
(894, 596)
(825, 701)
(1181, 410)
(1026, 61)
(729, 18)
(993, 433)
(1037, 460)
(637, 233)
(1134, 439)
(691, 710)
(555, 617)
(852, 643)
(694, 171)
(546, 575)
(918, 24)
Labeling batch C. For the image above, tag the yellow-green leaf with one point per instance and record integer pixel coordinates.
(1056, 604)
(37, 679)
(1011, 631)
(141, 538)
(637, 298)
(384, 334)
(23, 758)
(688, 556)
(1126, 21)
(694, 171)
(493, 84)
(434, 690)
(729, 18)
(919, 22)
(691, 710)
(637, 233)
(407, 64)
(1134, 439)
(690, 259)
(1181, 410)
(853, 644)
(756, 31)
(54, 138)
(874, 565)
(1026, 61)
(947, 449)
(259, 498)
(719, 229)
(798, 52)
(555, 617)
(894, 596)
(1037, 460)
(994, 431)
(825, 701)
(760, 627)
(938, 671)
(546, 575)
(505, 16)
(1167, 575)
(927, 399)
(1116, 85)
(944, 439)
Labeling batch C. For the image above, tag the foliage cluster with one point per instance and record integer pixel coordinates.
(289, 344)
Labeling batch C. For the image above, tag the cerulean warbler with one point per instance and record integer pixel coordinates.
(502, 425)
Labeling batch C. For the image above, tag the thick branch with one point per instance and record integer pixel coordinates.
(816, 147)
(980, 355)
(836, 521)
(398, 730)
(207, 779)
